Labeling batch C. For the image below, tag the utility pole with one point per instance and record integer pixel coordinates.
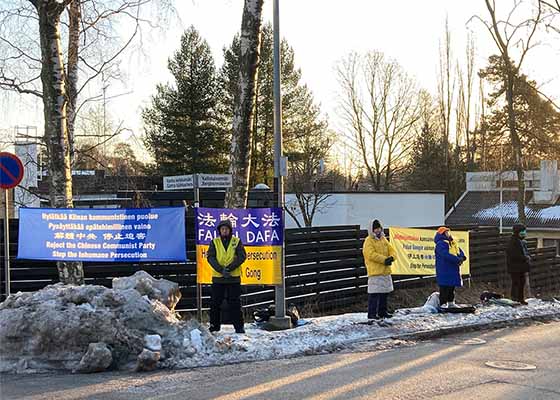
(501, 187)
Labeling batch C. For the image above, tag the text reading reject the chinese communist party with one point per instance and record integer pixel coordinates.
(113, 235)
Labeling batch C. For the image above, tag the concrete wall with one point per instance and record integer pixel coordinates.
(392, 209)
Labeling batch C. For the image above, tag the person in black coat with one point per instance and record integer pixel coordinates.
(226, 254)
(518, 262)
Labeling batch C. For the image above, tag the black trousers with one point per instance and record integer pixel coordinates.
(231, 292)
(446, 294)
(377, 305)
(518, 286)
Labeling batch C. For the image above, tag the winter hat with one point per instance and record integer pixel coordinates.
(442, 229)
(376, 224)
(227, 223)
(517, 228)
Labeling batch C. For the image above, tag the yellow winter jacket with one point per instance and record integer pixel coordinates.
(375, 252)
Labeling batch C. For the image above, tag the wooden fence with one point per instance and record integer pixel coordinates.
(324, 266)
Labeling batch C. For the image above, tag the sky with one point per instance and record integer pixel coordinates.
(322, 32)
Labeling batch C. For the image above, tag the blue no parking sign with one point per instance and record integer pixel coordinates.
(11, 170)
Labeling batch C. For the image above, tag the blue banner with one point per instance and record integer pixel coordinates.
(106, 235)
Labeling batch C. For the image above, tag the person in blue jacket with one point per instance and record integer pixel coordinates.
(449, 258)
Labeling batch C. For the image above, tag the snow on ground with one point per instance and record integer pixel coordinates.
(327, 334)
(91, 328)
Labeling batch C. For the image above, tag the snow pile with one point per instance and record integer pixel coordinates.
(69, 327)
(163, 290)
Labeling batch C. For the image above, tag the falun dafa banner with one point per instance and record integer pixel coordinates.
(261, 232)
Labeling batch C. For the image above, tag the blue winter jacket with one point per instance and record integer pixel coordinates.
(447, 264)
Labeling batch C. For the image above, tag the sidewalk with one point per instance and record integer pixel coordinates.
(328, 334)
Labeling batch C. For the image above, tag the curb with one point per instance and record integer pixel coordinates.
(442, 332)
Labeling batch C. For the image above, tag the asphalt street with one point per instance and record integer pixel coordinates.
(447, 368)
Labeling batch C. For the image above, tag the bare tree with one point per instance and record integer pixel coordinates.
(508, 40)
(307, 173)
(379, 103)
(244, 104)
(446, 92)
(95, 41)
(553, 13)
(31, 36)
(55, 105)
(467, 85)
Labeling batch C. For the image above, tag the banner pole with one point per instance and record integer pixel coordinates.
(198, 285)
(6, 242)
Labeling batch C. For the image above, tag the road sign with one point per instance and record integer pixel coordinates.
(205, 181)
(11, 170)
(214, 181)
(180, 182)
(11, 174)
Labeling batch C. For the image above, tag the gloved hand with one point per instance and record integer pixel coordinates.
(226, 273)
(464, 258)
(389, 261)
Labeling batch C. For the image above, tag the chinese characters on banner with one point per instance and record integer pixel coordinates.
(110, 235)
(415, 250)
(261, 232)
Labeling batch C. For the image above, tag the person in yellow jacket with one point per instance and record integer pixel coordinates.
(226, 254)
(379, 254)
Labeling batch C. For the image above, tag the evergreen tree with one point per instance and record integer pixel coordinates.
(184, 132)
(427, 161)
(301, 116)
(537, 121)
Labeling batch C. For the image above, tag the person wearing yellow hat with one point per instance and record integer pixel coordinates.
(449, 258)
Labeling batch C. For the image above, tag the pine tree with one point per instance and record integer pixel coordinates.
(537, 121)
(427, 162)
(301, 116)
(183, 131)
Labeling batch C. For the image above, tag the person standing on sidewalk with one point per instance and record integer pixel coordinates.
(226, 254)
(379, 254)
(518, 262)
(449, 258)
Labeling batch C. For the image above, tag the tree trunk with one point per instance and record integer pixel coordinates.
(516, 143)
(55, 103)
(244, 102)
(74, 19)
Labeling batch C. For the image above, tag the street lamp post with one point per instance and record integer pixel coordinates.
(280, 320)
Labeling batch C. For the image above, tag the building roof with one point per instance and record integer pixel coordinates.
(484, 208)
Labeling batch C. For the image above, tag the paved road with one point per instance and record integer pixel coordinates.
(439, 369)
